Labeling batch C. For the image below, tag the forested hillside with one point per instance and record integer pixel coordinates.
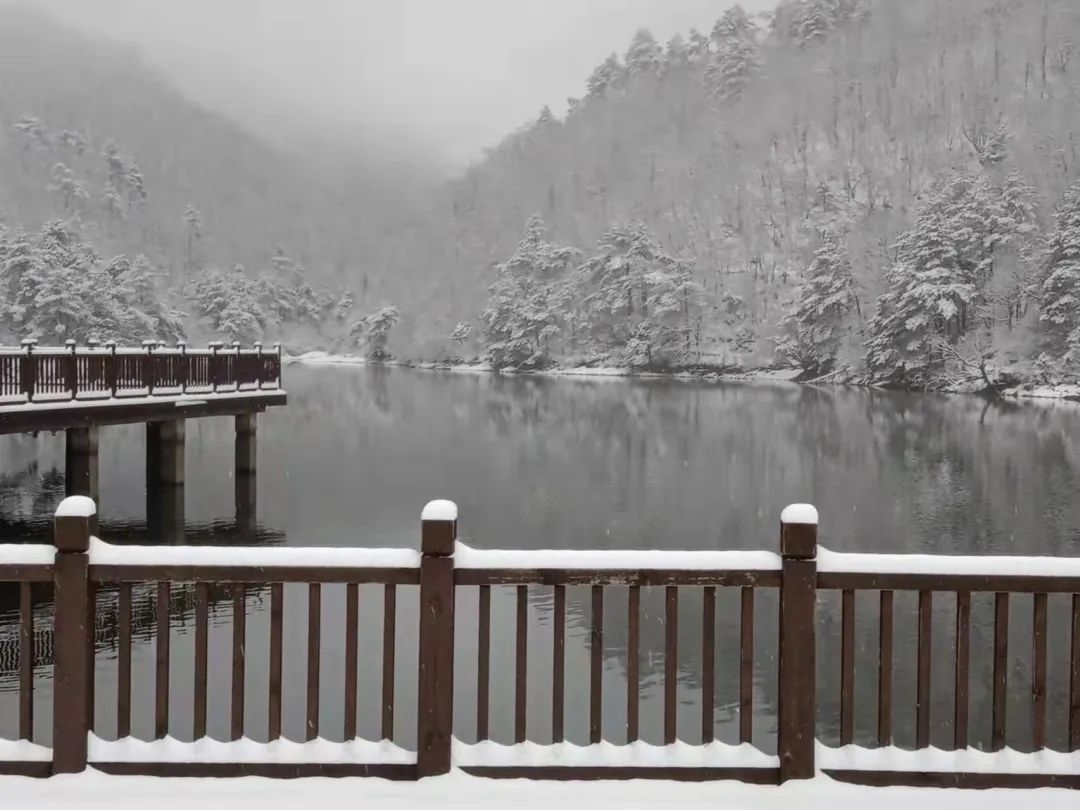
(869, 185)
(144, 189)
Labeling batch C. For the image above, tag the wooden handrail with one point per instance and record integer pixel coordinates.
(34, 373)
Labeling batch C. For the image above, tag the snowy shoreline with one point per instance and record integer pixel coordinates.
(1044, 394)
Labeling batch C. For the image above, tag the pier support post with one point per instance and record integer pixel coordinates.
(797, 686)
(81, 462)
(165, 453)
(245, 444)
(165, 513)
(244, 474)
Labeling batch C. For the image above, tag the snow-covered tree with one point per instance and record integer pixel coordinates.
(66, 187)
(111, 202)
(735, 59)
(461, 332)
(372, 332)
(115, 166)
(35, 134)
(194, 231)
(644, 56)
(75, 140)
(605, 77)
(814, 329)
(1059, 313)
(136, 187)
(529, 301)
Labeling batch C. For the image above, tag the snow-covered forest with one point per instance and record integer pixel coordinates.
(872, 190)
(882, 190)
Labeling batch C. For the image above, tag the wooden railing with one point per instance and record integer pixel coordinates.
(70, 372)
(802, 575)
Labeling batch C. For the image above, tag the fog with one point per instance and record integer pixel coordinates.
(428, 81)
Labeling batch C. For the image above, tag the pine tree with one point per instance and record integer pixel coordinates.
(1059, 313)
(117, 169)
(193, 220)
(814, 329)
(605, 78)
(66, 186)
(111, 202)
(372, 332)
(644, 56)
(136, 187)
(735, 61)
(926, 298)
(529, 302)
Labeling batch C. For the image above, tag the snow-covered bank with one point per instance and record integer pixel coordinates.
(95, 790)
(600, 372)
(1059, 393)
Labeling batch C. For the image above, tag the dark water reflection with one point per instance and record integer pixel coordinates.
(576, 464)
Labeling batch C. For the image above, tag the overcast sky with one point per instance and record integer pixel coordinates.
(439, 79)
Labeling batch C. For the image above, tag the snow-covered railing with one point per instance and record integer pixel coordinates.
(79, 565)
(71, 372)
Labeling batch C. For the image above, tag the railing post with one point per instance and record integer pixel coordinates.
(185, 366)
(148, 369)
(113, 372)
(277, 364)
(214, 373)
(72, 382)
(236, 364)
(435, 684)
(28, 375)
(75, 521)
(257, 366)
(798, 595)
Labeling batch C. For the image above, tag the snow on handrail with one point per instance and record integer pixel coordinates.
(936, 760)
(102, 553)
(835, 562)
(606, 754)
(245, 750)
(613, 560)
(27, 554)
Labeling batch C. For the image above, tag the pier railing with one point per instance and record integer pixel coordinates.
(70, 372)
(444, 571)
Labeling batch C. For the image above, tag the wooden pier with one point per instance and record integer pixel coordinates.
(78, 389)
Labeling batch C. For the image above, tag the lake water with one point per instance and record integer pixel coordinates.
(578, 463)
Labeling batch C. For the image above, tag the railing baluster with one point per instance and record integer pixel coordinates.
(389, 633)
(273, 721)
(671, 661)
(521, 671)
(847, 668)
(963, 663)
(161, 681)
(596, 670)
(708, 662)
(633, 652)
(123, 663)
(1038, 672)
(352, 628)
(1074, 677)
(91, 651)
(314, 650)
(885, 666)
(923, 685)
(1001, 670)
(26, 661)
(483, 663)
(558, 665)
(239, 631)
(746, 666)
(202, 618)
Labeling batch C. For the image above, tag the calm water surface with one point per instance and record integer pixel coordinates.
(539, 463)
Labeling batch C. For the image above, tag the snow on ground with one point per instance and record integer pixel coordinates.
(93, 790)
